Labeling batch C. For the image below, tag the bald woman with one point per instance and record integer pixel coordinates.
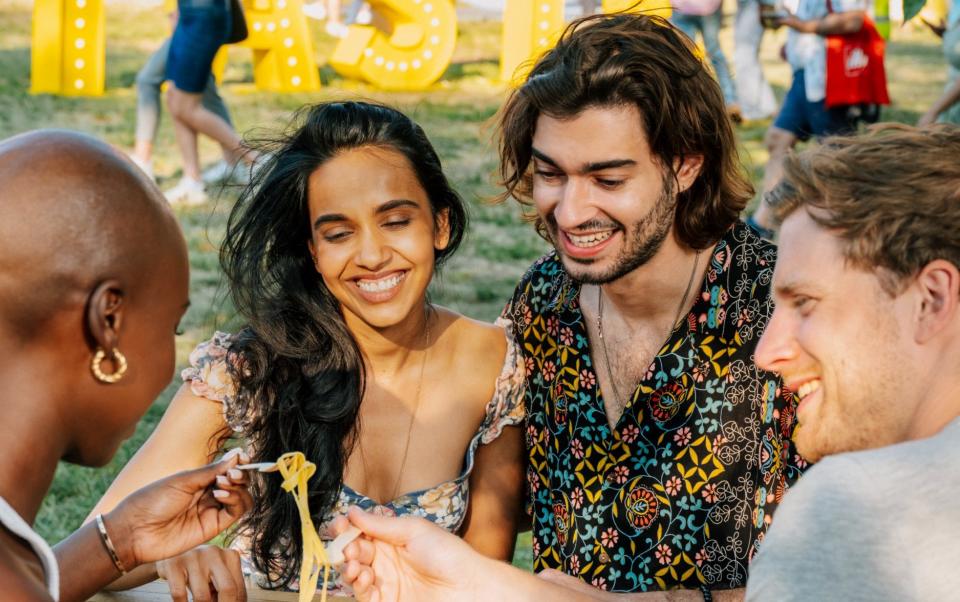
(93, 281)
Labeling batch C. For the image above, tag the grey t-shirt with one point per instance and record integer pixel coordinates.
(881, 524)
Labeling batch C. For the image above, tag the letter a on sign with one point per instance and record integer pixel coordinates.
(282, 48)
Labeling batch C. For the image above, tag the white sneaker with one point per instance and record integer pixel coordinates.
(315, 10)
(216, 173)
(188, 192)
(337, 30)
(222, 172)
(145, 166)
(365, 15)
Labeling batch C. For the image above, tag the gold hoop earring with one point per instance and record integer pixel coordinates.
(119, 361)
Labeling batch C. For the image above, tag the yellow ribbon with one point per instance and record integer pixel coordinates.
(296, 471)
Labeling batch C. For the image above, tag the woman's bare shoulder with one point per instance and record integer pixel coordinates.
(475, 346)
(469, 332)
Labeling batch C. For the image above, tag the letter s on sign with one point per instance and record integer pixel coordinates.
(412, 54)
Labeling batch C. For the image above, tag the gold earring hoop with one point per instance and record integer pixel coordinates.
(119, 362)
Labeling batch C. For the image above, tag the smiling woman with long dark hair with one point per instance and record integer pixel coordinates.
(401, 404)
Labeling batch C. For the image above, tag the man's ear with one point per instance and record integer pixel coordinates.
(441, 230)
(687, 171)
(105, 308)
(939, 285)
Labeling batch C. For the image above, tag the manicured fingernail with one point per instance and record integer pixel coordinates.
(220, 493)
(233, 452)
(235, 474)
(223, 481)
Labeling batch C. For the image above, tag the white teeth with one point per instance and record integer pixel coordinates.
(590, 240)
(378, 286)
(807, 388)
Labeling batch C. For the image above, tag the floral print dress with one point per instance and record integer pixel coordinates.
(444, 504)
(680, 493)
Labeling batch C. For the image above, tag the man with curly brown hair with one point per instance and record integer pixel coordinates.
(658, 451)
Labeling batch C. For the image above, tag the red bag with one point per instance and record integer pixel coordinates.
(855, 73)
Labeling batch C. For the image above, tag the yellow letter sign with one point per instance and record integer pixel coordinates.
(531, 27)
(660, 8)
(412, 56)
(68, 52)
(282, 48)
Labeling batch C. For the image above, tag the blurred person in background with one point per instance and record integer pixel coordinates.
(753, 90)
(202, 28)
(706, 17)
(149, 82)
(804, 113)
(946, 108)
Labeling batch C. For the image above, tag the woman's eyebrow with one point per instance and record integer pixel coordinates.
(327, 218)
(396, 204)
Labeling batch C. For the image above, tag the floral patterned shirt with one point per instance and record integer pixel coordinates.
(681, 492)
(444, 504)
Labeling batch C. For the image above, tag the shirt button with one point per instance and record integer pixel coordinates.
(603, 558)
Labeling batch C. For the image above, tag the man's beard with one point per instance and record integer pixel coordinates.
(647, 237)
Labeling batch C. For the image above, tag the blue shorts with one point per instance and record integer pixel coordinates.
(803, 118)
(203, 27)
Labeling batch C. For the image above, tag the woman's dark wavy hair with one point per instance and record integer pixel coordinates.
(298, 370)
(642, 61)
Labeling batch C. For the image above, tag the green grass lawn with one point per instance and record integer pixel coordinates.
(455, 114)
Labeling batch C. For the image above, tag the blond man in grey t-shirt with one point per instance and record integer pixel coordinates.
(867, 333)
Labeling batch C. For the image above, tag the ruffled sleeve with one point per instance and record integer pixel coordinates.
(506, 407)
(209, 378)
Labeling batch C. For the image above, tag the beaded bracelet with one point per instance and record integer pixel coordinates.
(108, 544)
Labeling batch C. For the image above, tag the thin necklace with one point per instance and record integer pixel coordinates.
(413, 414)
(619, 400)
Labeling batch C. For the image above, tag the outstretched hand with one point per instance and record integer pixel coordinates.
(403, 559)
(180, 512)
(409, 559)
